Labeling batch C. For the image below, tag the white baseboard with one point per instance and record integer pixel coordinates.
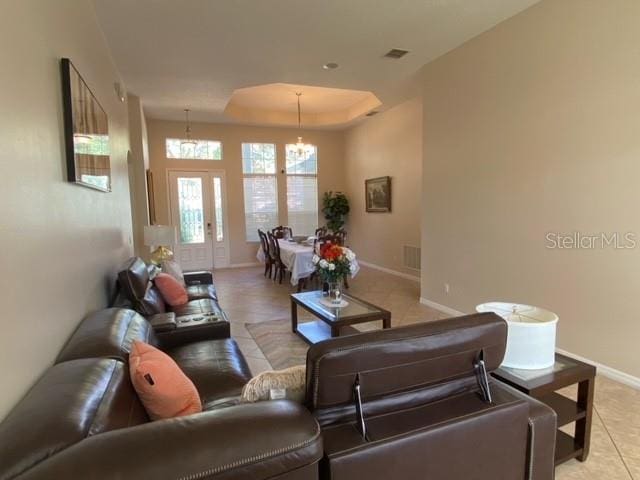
(390, 271)
(244, 265)
(604, 370)
(440, 307)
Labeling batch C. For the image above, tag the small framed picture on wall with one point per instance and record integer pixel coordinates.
(378, 194)
(151, 198)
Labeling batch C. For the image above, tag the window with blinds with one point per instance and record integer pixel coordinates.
(302, 192)
(260, 188)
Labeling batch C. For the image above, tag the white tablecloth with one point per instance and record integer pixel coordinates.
(298, 260)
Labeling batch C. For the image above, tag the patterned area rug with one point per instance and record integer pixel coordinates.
(280, 345)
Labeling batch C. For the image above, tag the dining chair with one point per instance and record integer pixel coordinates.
(279, 231)
(341, 236)
(336, 238)
(280, 268)
(268, 256)
(320, 232)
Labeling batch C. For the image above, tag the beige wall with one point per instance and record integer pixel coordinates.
(389, 144)
(330, 168)
(60, 243)
(532, 128)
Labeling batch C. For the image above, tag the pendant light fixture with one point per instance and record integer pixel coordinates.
(188, 142)
(300, 150)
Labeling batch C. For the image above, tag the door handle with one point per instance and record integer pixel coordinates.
(209, 228)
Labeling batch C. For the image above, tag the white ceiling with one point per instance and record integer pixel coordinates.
(195, 53)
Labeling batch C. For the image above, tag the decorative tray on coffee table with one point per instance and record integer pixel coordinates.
(329, 303)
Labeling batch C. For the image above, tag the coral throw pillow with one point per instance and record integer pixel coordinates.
(172, 292)
(164, 390)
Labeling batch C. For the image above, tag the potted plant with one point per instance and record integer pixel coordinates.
(335, 206)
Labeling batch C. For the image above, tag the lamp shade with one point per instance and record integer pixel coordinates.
(155, 235)
(531, 339)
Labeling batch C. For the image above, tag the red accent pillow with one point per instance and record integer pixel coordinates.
(172, 292)
(164, 389)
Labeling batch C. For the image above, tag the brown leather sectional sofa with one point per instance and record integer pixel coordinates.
(139, 293)
(83, 420)
(422, 411)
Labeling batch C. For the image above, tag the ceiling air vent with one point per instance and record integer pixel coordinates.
(372, 113)
(396, 53)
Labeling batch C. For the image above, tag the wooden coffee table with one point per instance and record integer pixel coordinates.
(542, 385)
(333, 322)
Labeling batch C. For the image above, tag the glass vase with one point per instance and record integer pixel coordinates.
(335, 292)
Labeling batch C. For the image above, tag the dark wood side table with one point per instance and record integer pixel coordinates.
(542, 385)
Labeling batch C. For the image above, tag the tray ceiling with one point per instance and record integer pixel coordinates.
(196, 53)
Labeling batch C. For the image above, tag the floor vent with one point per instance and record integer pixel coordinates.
(411, 257)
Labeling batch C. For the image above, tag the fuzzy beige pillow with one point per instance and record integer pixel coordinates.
(277, 384)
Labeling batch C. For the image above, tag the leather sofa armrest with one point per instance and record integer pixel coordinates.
(198, 278)
(541, 443)
(257, 441)
(183, 335)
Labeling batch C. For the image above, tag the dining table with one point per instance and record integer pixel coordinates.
(298, 258)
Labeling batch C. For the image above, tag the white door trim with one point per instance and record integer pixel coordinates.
(210, 172)
(225, 216)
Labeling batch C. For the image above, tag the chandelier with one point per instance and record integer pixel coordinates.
(188, 142)
(300, 150)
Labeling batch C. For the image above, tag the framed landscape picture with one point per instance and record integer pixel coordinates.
(86, 132)
(378, 194)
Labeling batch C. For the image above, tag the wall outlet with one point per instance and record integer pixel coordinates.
(447, 288)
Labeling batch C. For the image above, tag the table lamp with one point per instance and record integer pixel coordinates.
(531, 338)
(162, 237)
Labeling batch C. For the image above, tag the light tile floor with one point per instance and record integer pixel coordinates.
(248, 297)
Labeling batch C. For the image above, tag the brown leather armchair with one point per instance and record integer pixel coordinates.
(422, 406)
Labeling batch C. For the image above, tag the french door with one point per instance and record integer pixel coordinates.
(198, 209)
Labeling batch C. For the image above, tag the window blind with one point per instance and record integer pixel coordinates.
(260, 205)
(260, 188)
(302, 191)
(302, 204)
